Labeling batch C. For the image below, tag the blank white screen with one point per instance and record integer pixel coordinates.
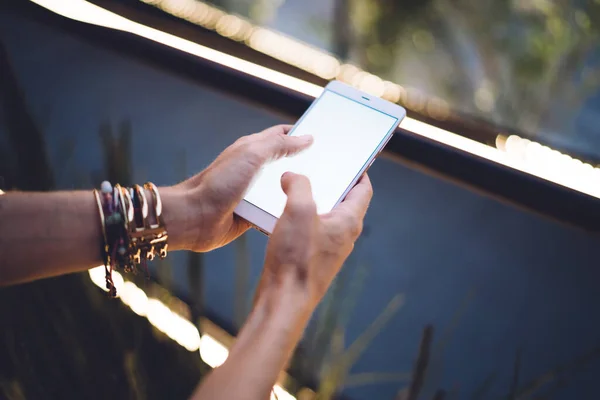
(345, 134)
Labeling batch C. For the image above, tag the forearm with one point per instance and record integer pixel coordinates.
(49, 234)
(263, 348)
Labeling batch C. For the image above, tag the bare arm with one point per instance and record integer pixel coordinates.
(263, 347)
(49, 234)
(304, 254)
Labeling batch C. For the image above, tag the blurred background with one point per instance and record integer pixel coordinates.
(476, 276)
(527, 65)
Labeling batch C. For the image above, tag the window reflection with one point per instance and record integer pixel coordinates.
(530, 65)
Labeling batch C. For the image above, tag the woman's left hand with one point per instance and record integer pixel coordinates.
(209, 198)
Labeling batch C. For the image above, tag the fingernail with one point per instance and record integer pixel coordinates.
(306, 138)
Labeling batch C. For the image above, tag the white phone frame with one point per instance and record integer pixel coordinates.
(265, 222)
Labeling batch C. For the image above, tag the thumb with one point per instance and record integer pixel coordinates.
(300, 203)
(276, 146)
(290, 246)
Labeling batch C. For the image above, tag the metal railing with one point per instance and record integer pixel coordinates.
(488, 175)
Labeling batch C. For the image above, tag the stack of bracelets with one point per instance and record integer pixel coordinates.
(131, 234)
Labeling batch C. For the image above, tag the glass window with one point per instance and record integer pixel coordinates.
(494, 299)
(532, 66)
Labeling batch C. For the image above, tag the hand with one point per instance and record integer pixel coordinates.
(304, 254)
(308, 250)
(213, 194)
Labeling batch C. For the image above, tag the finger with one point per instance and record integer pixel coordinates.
(358, 199)
(300, 203)
(293, 235)
(239, 226)
(275, 143)
(282, 129)
(277, 146)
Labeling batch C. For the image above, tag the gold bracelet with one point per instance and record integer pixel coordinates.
(139, 236)
(147, 239)
(160, 240)
(142, 239)
(144, 207)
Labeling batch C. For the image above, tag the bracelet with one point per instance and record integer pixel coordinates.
(146, 238)
(125, 260)
(129, 239)
(139, 224)
(104, 248)
(111, 216)
(159, 242)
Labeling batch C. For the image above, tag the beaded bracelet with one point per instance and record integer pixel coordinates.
(111, 217)
(129, 239)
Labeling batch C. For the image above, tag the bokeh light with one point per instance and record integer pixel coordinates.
(176, 327)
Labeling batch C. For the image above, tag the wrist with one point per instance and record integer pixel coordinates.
(180, 216)
(287, 298)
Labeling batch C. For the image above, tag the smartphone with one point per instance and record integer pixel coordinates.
(350, 128)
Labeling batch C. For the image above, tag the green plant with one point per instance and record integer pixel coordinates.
(419, 374)
(336, 370)
(116, 152)
(324, 348)
(506, 60)
(550, 380)
(29, 168)
(435, 367)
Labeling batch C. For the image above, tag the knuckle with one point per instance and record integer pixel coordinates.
(282, 139)
(355, 227)
(369, 192)
(346, 230)
(352, 227)
(280, 145)
(339, 234)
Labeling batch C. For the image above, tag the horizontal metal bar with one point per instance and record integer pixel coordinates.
(493, 179)
(469, 126)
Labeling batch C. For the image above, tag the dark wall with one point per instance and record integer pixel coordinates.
(504, 290)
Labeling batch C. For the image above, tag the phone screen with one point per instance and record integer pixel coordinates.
(346, 133)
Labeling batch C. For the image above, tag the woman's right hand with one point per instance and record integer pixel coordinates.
(307, 250)
(304, 254)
